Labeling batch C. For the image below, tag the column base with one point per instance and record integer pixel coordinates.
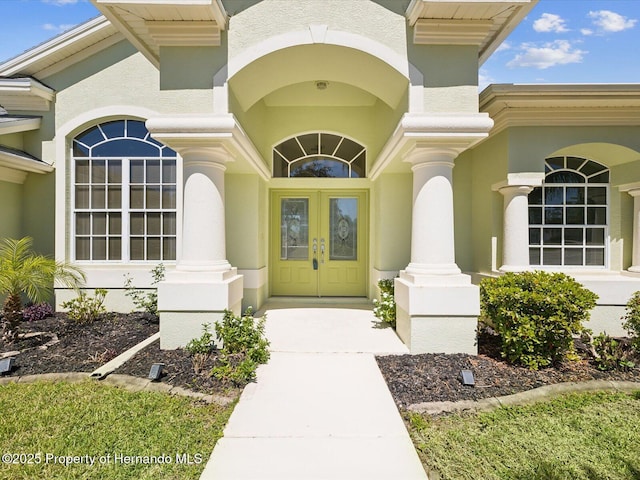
(187, 300)
(437, 314)
(634, 269)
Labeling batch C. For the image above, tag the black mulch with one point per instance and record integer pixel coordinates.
(411, 378)
(75, 347)
(436, 377)
(79, 347)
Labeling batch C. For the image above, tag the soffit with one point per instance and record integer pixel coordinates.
(56, 54)
(150, 24)
(480, 22)
(561, 105)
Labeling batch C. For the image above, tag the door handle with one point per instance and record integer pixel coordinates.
(315, 254)
(322, 250)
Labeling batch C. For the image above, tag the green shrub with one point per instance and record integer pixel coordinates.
(632, 320)
(610, 354)
(385, 308)
(536, 315)
(203, 345)
(145, 301)
(244, 347)
(85, 309)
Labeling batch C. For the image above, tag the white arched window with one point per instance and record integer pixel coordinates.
(319, 155)
(124, 194)
(568, 214)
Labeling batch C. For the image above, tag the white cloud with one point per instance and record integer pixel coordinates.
(559, 52)
(61, 3)
(484, 79)
(550, 22)
(503, 46)
(586, 31)
(609, 21)
(58, 28)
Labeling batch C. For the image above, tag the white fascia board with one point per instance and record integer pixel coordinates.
(61, 42)
(14, 161)
(20, 125)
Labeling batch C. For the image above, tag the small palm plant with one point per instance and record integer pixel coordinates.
(23, 272)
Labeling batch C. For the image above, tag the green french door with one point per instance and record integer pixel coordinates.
(318, 243)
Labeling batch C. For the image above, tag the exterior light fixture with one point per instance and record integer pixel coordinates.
(156, 372)
(6, 365)
(322, 84)
(466, 377)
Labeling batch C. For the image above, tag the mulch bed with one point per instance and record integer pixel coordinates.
(67, 346)
(436, 377)
(411, 378)
(79, 347)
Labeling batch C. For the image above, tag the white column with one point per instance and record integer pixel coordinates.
(432, 236)
(635, 262)
(203, 240)
(515, 233)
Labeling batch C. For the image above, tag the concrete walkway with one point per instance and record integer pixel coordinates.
(320, 408)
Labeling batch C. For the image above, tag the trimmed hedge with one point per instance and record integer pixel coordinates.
(536, 315)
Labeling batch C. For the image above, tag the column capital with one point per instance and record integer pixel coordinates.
(217, 136)
(515, 190)
(523, 179)
(424, 153)
(453, 132)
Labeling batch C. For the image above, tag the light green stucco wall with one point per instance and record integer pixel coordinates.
(191, 68)
(462, 200)
(38, 211)
(273, 17)
(13, 140)
(391, 206)
(246, 236)
(489, 166)
(119, 75)
(369, 126)
(10, 199)
(529, 146)
(450, 76)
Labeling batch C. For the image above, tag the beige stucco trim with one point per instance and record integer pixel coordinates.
(25, 94)
(561, 105)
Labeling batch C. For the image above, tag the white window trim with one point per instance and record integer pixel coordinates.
(584, 269)
(125, 207)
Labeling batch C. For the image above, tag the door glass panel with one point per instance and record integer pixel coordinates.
(294, 229)
(343, 224)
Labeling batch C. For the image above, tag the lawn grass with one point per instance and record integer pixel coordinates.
(97, 420)
(575, 437)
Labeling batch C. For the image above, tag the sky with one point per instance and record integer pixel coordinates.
(560, 41)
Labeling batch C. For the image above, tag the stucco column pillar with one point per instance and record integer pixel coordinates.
(432, 235)
(203, 230)
(203, 284)
(635, 262)
(633, 189)
(515, 230)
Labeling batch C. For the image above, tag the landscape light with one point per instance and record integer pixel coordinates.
(6, 365)
(466, 377)
(156, 372)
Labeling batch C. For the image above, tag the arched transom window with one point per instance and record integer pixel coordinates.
(125, 192)
(319, 155)
(568, 214)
